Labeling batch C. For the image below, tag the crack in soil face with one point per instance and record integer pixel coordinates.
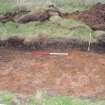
(78, 74)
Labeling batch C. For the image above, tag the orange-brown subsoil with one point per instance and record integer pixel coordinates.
(79, 74)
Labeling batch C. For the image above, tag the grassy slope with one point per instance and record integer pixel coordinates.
(48, 28)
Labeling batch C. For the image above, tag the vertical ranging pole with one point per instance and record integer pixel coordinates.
(90, 38)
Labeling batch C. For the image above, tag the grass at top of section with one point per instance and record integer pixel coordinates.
(50, 29)
(53, 28)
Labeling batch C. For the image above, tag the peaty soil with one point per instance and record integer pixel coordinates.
(43, 43)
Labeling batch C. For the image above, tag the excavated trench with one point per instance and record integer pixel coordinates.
(81, 73)
(78, 74)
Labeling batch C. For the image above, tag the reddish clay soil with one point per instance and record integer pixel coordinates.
(79, 74)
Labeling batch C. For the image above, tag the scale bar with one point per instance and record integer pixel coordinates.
(51, 53)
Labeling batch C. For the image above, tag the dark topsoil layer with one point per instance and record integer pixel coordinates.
(52, 43)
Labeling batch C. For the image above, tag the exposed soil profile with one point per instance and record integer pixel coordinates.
(81, 73)
(78, 74)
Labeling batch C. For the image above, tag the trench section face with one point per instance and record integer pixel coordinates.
(79, 74)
